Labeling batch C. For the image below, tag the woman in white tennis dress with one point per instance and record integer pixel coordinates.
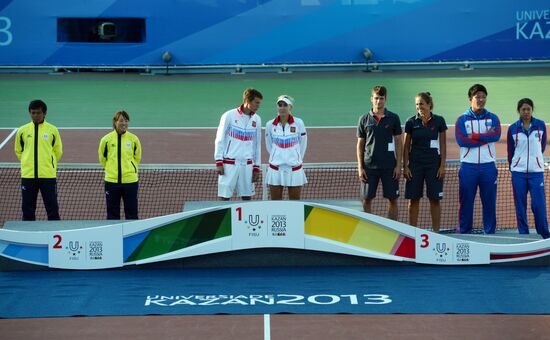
(286, 143)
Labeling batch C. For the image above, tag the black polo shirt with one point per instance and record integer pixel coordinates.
(424, 139)
(378, 135)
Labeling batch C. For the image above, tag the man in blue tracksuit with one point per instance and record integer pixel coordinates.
(476, 132)
(526, 144)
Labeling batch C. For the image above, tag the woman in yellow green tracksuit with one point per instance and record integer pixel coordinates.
(120, 152)
(38, 147)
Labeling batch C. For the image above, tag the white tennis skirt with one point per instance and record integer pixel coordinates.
(285, 176)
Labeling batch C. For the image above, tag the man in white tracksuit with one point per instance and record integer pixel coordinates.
(238, 148)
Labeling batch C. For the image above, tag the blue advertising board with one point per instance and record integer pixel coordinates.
(218, 32)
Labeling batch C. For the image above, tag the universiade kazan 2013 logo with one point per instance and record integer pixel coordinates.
(278, 225)
(95, 250)
(75, 249)
(462, 252)
(443, 252)
(255, 224)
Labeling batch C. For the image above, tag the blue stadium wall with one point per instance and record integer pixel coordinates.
(213, 32)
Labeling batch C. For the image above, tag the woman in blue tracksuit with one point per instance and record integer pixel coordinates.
(526, 143)
(476, 132)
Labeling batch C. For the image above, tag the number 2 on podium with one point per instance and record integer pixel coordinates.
(57, 244)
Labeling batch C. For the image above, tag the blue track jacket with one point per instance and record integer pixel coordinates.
(476, 135)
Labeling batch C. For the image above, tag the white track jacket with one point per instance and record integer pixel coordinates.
(238, 138)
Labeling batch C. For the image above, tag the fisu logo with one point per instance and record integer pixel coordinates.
(73, 249)
(74, 245)
(254, 224)
(441, 247)
(254, 220)
(441, 252)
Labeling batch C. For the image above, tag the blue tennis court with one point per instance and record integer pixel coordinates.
(299, 290)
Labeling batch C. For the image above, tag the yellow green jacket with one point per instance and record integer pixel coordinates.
(120, 156)
(39, 148)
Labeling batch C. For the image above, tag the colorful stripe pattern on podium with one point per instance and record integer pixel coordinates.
(350, 230)
(178, 235)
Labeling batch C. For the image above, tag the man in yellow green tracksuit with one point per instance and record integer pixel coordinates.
(120, 153)
(38, 146)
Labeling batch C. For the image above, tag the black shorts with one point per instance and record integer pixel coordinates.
(390, 186)
(414, 188)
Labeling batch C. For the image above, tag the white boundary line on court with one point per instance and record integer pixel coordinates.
(8, 138)
(267, 327)
(180, 128)
(501, 237)
(450, 126)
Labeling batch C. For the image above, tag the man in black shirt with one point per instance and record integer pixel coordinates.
(379, 152)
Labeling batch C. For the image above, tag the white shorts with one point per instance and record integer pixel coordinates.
(285, 176)
(239, 176)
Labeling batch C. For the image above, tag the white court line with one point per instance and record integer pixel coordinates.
(139, 128)
(450, 126)
(501, 237)
(267, 327)
(207, 127)
(184, 128)
(8, 138)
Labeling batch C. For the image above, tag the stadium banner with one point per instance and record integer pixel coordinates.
(251, 225)
(215, 32)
